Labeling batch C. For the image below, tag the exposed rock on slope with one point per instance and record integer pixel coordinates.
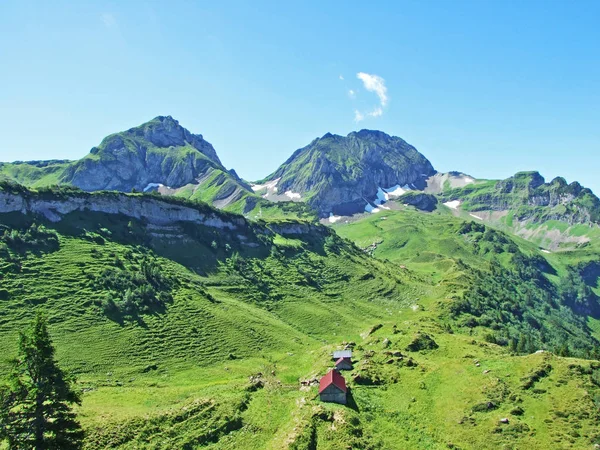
(342, 175)
(420, 200)
(152, 210)
(57, 204)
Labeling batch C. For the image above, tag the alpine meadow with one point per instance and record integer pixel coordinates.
(356, 296)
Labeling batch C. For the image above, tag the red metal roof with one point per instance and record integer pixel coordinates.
(332, 377)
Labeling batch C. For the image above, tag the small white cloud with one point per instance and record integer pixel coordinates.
(341, 78)
(372, 83)
(377, 112)
(108, 20)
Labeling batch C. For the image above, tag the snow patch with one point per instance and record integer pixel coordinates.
(546, 251)
(153, 185)
(333, 219)
(469, 180)
(381, 196)
(385, 207)
(454, 204)
(271, 185)
(371, 209)
(397, 191)
(293, 195)
(476, 217)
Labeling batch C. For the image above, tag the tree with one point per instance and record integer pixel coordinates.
(35, 411)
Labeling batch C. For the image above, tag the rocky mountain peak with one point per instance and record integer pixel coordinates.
(165, 132)
(344, 174)
(369, 134)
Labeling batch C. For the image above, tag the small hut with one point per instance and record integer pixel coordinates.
(332, 388)
(343, 364)
(342, 354)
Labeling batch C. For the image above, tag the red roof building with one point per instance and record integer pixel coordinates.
(332, 388)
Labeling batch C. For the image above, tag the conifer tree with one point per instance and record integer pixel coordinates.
(35, 407)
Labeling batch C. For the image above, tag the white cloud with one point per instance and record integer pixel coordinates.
(108, 20)
(377, 112)
(358, 116)
(374, 83)
(341, 78)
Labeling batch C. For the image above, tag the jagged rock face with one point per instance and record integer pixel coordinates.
(340, 175)
(160, 151)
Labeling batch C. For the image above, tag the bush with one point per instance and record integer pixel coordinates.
(135, 289)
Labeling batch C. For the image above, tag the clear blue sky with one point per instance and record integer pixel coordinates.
(488, 88)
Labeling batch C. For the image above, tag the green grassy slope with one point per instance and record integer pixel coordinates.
(502, 287)
(214, 357)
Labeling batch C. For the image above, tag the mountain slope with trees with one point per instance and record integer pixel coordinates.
(188, 333)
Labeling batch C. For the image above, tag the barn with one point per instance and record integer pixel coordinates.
(343, 364)
(332, 388)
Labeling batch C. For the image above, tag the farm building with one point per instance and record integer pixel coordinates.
(343, 364)
(342, 354)
(332, 388)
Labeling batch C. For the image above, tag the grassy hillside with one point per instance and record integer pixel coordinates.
(502, 287)
(183, 336)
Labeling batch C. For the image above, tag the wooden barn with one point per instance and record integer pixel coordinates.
(332, 388)
(343, 364)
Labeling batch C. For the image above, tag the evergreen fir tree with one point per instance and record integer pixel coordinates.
(35, 411)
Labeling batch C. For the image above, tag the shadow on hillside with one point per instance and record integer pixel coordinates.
(351, 402)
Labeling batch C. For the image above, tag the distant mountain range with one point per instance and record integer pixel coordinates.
(365, 171)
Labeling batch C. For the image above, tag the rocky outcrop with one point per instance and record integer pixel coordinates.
(162, 212)
(424, 202)
(341, 175)
(151, 210)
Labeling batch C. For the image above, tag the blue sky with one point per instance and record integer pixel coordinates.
(488, 88)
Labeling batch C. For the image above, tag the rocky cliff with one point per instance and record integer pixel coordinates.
(155, 212)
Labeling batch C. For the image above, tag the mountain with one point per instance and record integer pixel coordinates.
(158, 152)
(344, 175)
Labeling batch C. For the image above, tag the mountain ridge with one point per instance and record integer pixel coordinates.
(335, 175)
